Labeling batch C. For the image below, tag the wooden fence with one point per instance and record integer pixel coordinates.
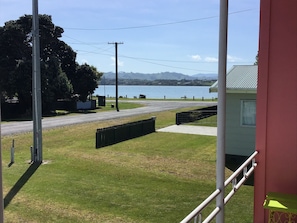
(119, 133)
(195, 115)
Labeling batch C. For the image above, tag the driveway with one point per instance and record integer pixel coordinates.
(190, 129)
(52, 122)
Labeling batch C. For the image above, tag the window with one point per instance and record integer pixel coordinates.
(248, 112)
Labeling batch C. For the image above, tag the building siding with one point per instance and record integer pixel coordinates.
(276, 130)
(240, 140)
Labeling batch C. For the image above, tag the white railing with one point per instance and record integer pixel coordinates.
(247, 168)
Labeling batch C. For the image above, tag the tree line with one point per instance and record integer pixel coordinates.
(61, 76)
(159, 82)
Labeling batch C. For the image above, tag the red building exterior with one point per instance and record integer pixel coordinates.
(276, 128)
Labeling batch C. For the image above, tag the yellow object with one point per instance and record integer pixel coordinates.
(282, 207)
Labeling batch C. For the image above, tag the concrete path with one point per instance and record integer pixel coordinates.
(190, 129)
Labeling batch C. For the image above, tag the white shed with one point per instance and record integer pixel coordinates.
(241, 89)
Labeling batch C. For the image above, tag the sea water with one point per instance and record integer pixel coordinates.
(156, 92)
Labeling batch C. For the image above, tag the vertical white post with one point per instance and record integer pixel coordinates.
(36, 85)
(12, 152)
(32, 154)
(220, 168)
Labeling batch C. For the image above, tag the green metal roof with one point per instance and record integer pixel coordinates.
(240, 79)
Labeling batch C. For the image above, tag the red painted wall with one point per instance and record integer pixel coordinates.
(276, 128)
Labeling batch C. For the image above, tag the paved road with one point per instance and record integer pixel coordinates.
(52, 122)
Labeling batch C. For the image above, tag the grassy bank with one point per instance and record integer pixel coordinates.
(160, 177)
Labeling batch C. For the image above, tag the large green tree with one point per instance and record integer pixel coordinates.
(15, 49)
(86, 80)
(60, 74)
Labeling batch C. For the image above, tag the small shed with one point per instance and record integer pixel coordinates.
(241, 89)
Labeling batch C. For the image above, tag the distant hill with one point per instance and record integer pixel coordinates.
(159, 76)
(206, 76)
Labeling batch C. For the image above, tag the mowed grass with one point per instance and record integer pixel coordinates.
(160, 177)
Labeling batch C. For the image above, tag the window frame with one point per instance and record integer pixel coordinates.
(242, 122)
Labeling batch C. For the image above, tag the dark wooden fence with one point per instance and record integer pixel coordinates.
(195, 115)
(119, 133)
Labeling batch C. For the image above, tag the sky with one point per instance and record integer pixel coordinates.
(156, 35)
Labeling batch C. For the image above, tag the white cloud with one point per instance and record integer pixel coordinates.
(196, 57)
(229, 59)
(211, 59)
(120, 63)
(233, 59)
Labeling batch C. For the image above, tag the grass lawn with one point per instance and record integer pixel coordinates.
(159, 177)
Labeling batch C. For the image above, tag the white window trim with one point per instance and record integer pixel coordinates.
(241, 113)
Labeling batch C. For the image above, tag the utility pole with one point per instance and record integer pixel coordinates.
(116, 71)
(221, 138)
(36, 86)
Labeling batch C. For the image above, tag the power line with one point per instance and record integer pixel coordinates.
(148, 60)
(176, 61)
(144, 60)
(89, 44)
(151, 61)
(142, 26)
(176, 67)
(156, 25)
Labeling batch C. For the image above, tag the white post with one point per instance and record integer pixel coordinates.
(12, 152)
(36, 85)
(220, 168)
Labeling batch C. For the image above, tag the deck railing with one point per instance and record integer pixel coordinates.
(246, 169)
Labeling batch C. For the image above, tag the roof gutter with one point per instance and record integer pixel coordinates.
(235, 91)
